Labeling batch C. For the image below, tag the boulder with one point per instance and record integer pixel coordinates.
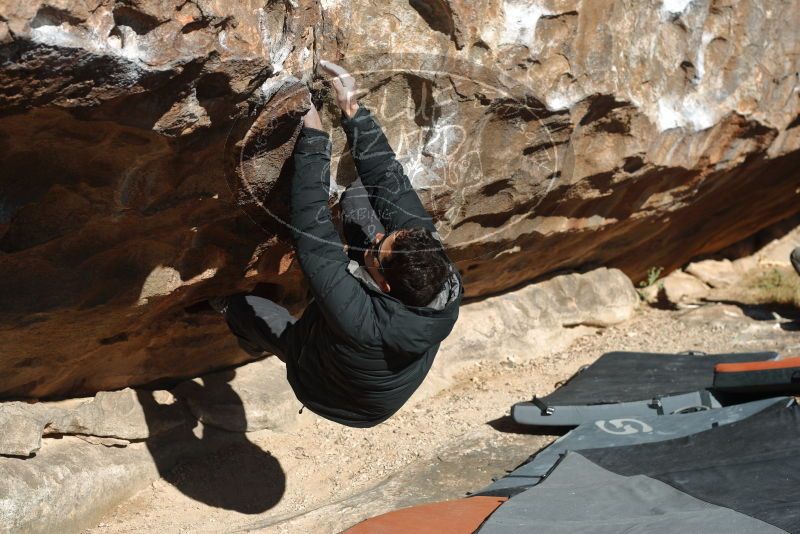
(23, 424)
(532, 322)
(716, 315)
(69, 485)
(522, 324)
(255, 396)
(779, 251)
(519, 325)
(110, 418)
(117, 414)
(679, 288)
(144, 147)
(716, 273)
(134, 214)
(22, 433)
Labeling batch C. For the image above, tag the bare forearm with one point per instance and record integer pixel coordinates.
(351, 109)
(344, 87)
(311, 119)
(391, 194)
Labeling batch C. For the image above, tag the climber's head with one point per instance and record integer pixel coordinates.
(409, 264)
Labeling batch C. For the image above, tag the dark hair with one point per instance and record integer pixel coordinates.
(417, 267)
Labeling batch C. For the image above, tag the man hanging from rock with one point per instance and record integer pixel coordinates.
(380, 310)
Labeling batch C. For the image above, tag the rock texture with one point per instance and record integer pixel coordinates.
(761, 274)
(69, 485)
(679, 288)
(518, 326)
(118, 123)
(430, 479)
(110, 418)
(531, 322)
(198, 418)
(22, 433)
(252, 397)
(143, 148)
(716, 273)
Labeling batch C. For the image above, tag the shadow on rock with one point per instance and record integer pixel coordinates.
(213, 466)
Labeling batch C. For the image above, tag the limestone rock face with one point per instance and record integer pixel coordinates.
(680, 287)
(69, 484)
(22, 433)
(143, 148)
(716, 273)
(112, 418)
(119, 123)
(531, 322)
(118, 414)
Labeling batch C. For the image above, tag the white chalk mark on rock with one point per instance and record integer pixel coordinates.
(520, 22)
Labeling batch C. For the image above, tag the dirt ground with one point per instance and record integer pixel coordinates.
(336, 476)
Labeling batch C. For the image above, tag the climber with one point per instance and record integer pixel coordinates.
(379, 311)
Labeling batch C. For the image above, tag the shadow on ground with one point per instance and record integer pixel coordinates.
(218, 468)
(770, 313)
(507, 425)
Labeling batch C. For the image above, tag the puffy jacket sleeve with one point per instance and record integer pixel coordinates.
(342, 299)
(390, 192)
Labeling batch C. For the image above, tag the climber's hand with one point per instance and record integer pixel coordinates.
(344, 85)
(311, 118)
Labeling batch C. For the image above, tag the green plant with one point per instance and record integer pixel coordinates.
(771, 280)
(653, 274)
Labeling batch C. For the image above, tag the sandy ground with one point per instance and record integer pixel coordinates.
(324, 464)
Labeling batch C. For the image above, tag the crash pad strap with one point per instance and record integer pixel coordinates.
(539, 403)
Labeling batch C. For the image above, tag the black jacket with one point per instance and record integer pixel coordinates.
(359, 353)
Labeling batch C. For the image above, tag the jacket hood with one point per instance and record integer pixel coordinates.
(414, 329)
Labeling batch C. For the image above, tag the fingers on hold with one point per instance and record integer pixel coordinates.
(333, 67)
(337, 84)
